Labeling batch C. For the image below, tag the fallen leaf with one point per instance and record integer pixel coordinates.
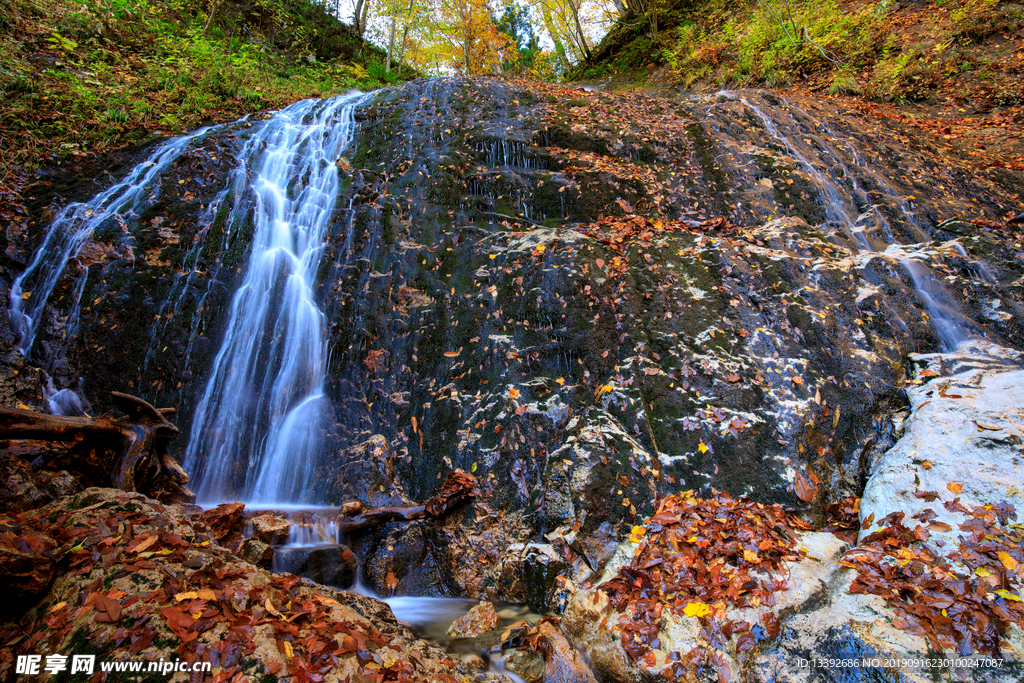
(955, 487)
(805, 490)
(696, 609)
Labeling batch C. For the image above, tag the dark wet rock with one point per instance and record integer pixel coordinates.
(366, 472)
(19, 487)
(479, 620)
(28, 565)
(257, 552)
(224, 519)
(330, 565)
(407, 559)
(270, 528)
(528, 575)
(60, 484)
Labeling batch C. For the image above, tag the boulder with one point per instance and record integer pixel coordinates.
(270, 528)
(477, 621)
(330, 565)
(250, 623)
(257, 552)
(224, 519)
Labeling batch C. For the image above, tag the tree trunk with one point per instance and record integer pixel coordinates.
(136, 446)
(549, 24)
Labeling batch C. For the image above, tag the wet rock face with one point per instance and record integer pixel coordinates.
(330, 565)
(936, 520)
(533, 285)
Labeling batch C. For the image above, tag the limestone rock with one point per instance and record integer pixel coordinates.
(270, 528)
(224, 519)
(257, 552)
(479, 620)
(967, 428)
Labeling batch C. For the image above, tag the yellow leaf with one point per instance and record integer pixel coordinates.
(25, 295)
(696, 609)
(288, 651)
(1007, 595)
(513, 393)
(637, 534)
(273, 610)
(541, 247)
(58, 606)
(22, 406)
(560, 381)
(190, 595)
(1007, 561)
(955, 487)
(492, 256)
(982, 572)
(607, 388)
(751, 556)
(473, 468)
(702, 448)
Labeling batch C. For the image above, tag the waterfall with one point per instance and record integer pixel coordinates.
(949, 324)
(72, 230)
(257, 428)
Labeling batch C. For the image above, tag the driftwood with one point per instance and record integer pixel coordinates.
(136, 445)
(457, 488)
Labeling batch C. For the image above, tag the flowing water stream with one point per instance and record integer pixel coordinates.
(849, 207)
(263, 399)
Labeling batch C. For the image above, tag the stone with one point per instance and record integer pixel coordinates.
(311, 611)
(966, 428)
(528, 572)
(19, 487)
(257, 552)
(61, 484)
(351, 508)
(529, 665)
(330, 565)
(477, 621)
(224, 519)
(270, 528)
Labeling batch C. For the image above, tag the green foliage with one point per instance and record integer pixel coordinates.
(109, 72)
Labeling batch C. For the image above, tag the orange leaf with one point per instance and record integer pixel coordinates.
(955, 487)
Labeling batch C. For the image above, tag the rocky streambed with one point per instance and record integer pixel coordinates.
(627, 318)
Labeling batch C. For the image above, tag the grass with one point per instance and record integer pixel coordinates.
(84, 76)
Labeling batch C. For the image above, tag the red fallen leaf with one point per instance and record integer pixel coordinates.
(805, 490)
(929, 496)
(941, 527)
(733, 377)
(177, 621)
(108, 610)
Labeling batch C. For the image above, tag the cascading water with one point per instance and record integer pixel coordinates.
(74, 227)
(256, 434)
(842, 207)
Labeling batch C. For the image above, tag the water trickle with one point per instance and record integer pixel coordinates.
(74, 227)
(256, 434)
(849, 205)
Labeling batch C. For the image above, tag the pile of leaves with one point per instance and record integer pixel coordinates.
(698, 557)
(963, 602)
(844, 518)
(145, 582)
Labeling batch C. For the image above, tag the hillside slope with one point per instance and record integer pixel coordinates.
(80, 77)
(954, 66)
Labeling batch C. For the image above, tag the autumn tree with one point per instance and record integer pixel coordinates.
(468, 31)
